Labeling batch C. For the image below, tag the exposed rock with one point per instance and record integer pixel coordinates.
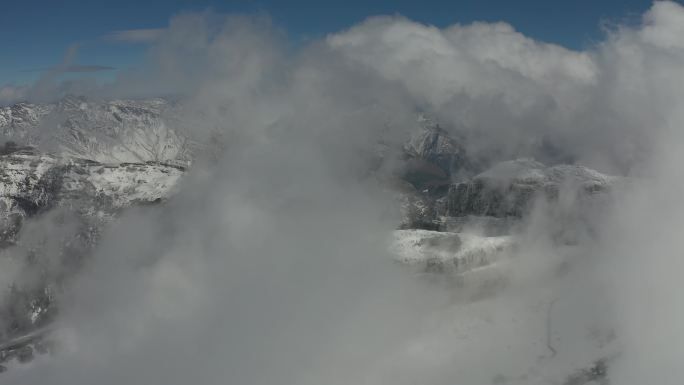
(419, 211)
(597, 373)
(435, 146)
(510, 188)
(433, 158)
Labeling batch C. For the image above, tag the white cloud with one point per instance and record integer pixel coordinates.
(145, 35)
(269, 267)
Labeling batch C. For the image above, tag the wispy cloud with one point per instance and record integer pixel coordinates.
(146, 35)
(88, 68)
(11, 94)
(75, 68)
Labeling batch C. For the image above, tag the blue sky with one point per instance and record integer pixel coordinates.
(36, 34)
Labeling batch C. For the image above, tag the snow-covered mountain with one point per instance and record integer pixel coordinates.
(431, 143)
(509, 188)
(52, 210)
(67, 170)
(104, 131)
(75, 165)
(33, 182)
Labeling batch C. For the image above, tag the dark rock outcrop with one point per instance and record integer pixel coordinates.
(432, 158)
(509, 189)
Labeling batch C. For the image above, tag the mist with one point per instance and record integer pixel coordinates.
(270, 265)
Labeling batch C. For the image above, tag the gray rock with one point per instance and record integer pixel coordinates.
(434, 145)
(510, 188)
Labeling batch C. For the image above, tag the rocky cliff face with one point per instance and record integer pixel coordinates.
(432, 144)
(510, 188)
(32, 183)
(67, 169)
(52, 210)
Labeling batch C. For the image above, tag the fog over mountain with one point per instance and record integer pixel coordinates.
(392, 204)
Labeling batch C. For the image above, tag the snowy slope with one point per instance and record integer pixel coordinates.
(31, 182)
(67, 169)
(53, 209)
(106, 131)
(457, 252)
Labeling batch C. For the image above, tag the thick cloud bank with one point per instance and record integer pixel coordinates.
(270, 266)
